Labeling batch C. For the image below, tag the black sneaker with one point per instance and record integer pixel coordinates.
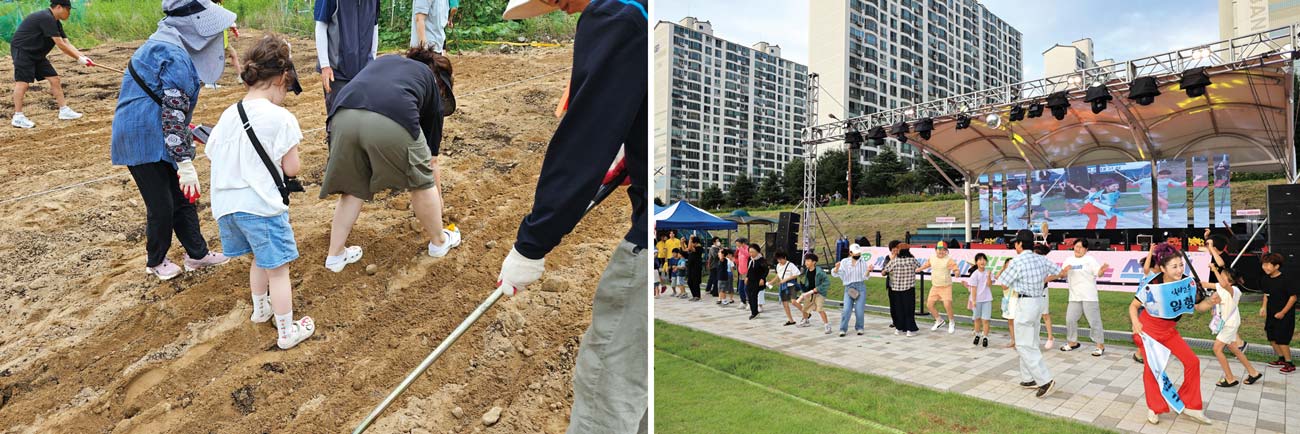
(695, 299)
(986, 342)
(977, 340)
(789, 323)
(718, 302)
(1029, 384)
(1046, 389)
(753, 316)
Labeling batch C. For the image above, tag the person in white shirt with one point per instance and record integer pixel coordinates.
(787, 286)
(853, 272)
(1082, 272)
(251, 213)
(1225, 323)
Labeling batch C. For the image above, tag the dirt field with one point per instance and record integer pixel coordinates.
(90, 344)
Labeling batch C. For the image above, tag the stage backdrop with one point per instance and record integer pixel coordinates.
(1201, 192)
(1125, 267)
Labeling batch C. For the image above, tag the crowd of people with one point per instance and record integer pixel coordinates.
(1024, 303)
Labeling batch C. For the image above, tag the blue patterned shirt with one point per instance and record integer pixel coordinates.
(1027, 274)
(138, 122)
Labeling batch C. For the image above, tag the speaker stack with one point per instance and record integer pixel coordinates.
(787, 233)
(1284, 221)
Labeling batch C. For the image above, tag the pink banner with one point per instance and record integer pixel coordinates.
(1123, 275)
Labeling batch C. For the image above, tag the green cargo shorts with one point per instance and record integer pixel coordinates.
(370, 153)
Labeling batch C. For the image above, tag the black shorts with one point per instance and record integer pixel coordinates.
(1279, 331)
(30, 68)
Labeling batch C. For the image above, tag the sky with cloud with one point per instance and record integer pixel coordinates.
(1120, 29)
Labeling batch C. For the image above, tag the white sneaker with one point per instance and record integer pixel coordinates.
(936, 325)
(350, 255)
(828, 328)
(302, 329)
(952, 328)
(896, 332)
(451, 238)
(266, 312)
(212, 86)
(66, 114)
(20, 121)
(911, 334)
(1049, 344)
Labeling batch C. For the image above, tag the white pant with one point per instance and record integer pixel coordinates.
(1028, 313)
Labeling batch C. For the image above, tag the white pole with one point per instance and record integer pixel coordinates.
(967, 210)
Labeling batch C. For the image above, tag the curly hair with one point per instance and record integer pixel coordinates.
(1165, 252)
(268, 60)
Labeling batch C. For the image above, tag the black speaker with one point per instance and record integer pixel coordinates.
(770, 244)
(1098, 244)
(1284, 220)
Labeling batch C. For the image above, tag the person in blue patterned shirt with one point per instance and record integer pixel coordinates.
(1027, 275)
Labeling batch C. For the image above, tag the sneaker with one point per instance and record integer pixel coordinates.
(266, 312)
(828, 329)
(789, 323)
(1287, 369)
(1152, 417)
(165, 271)
(804, 323)
(1046, 389)
(977, 341)
(986, 342)
(859, 332)
(841, 334)
(1068, 347)
(20, 121)
(1198, 415)
(753, 316)
(937, 324)
(1280, 362)
(1099, 352)
(718, 302)
(451, 238)
(302, 329)
(212, 86)
(1029, 384)
(911, 334)
(952, 328)
(66, 114)
(897, 332)
(350, 255)
(695, 299)
(212, 259)
(1049, 344)
(1243, 346)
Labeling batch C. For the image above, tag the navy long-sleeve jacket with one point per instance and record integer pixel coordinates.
(607, 109)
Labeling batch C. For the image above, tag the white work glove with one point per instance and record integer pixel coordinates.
(189, 179)
(85, 61)
(517, 272)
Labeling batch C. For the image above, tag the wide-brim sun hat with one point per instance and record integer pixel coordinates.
(200, 17)
(524, 9)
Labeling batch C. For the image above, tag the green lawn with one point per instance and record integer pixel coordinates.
(709, 384)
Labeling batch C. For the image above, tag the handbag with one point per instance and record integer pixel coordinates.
(286, 185)
(1219, 319)
(853, 293)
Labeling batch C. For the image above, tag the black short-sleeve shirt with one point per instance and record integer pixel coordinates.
(1278, 290)
(34, 33)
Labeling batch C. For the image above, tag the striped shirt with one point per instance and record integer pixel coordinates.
(851, 271)
(902, 273)
(1027, 274)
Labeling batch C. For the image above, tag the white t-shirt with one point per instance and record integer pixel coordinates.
(1228, 300)
(239, 181)
(785, 271)
(1082, 277)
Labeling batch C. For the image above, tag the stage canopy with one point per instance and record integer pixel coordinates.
(682, 215)
(1246, 113)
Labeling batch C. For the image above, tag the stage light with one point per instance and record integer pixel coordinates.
(1144, 90)
(1075, 80)
(909, 112)
(1194, 82)
(993, 120)
(924, 127)
(899, 131)
(853, 138)
(1058, 102)
(1201, 53)
(876, 136)
(1017, 113)
(963, 121)
(1035, 110)
(1097, 96)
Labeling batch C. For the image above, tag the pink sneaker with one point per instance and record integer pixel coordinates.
(165, 271)
(213, 258)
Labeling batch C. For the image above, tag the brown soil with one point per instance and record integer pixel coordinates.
(90, 344)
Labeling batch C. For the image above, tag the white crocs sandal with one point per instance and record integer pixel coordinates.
(302, 329)
(350, 255)
(452, 239)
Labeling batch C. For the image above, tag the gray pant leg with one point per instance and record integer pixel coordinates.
(1092, 309)
(1073, 310)
(610, 380)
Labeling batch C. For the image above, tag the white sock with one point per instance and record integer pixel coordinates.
(283, 323)
(260, 303)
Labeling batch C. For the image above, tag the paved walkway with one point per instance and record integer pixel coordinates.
(1103, 391)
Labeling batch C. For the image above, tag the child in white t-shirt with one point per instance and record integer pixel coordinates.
(1227, 320)
(250, 212)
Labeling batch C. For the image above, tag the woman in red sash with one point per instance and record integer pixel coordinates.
(1168, 268)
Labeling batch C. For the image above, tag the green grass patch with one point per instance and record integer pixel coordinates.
(690, 398)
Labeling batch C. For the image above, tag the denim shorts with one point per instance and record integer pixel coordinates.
(983, 310)
(269, 239)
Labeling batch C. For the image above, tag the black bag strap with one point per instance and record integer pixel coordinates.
(257, 145)
(130, 66)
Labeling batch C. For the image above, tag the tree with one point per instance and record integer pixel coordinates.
(832, 173)
(743, 192)
(659, 201)
(769, 191)
(929, 178)
(712, 198)
(792, 181)
(882, 177)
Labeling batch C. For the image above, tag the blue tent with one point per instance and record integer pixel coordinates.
(682, 215)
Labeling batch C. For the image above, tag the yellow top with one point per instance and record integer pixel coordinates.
(670, 245)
